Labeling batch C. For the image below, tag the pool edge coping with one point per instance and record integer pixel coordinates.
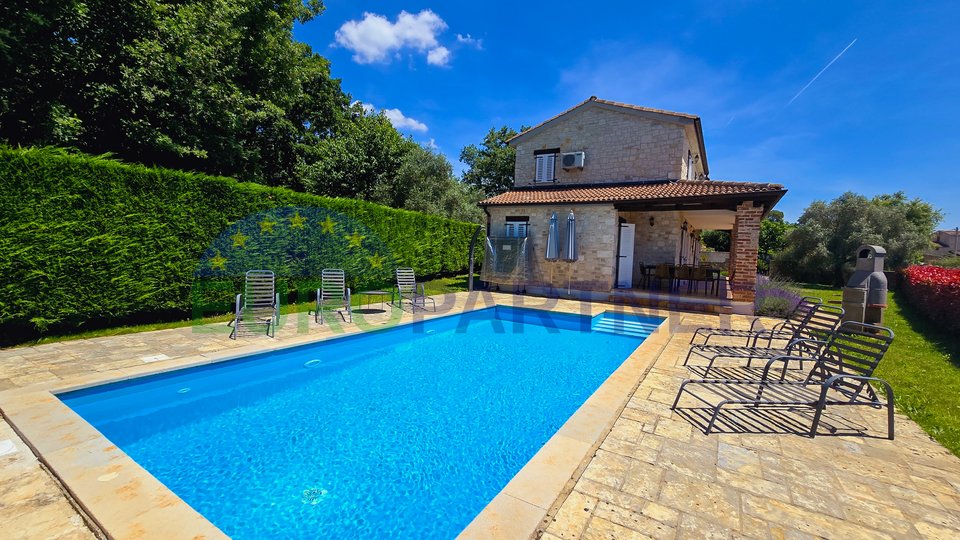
(85, 464)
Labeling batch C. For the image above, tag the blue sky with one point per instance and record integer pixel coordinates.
(882, 118)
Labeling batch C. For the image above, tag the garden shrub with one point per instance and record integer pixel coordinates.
(935, 292)
(775, 298)
(86, 238)
(949, 262)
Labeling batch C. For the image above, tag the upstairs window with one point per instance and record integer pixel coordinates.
(516, 226)
(546, 164)
(691, 170)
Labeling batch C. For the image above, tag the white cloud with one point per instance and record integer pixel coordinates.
(400, 121)
(396, 117)
(375, 39)
(470, 41)
(431, 144)
(439, 56)
(367, 108)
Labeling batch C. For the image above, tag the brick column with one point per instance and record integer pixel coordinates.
(732, 259)
(744, 245)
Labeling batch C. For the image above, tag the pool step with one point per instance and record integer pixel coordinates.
(623, 327)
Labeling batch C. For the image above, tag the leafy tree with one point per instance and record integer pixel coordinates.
(491, 165)
(716, 240)
(425, 183)
(822, 247)
(773, 238)
(219, 86)
(362, 154)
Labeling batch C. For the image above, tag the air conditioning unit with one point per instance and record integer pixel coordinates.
(572, 160)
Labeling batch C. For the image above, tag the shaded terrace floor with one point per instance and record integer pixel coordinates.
(654, 475)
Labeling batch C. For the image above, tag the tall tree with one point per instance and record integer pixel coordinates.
(491, 164)
(219, 86)
(425, 183)
(716, 240)
(773, 238)
(361, 154)
(823, 246)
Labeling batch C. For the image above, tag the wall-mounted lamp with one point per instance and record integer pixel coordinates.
(651, 221)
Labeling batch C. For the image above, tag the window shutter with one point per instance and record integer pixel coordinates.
(549, 166)
(522, 230)
(540, 175)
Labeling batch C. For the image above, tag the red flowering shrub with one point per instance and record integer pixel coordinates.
(935, 291)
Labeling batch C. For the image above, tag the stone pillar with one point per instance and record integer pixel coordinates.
(744, 245)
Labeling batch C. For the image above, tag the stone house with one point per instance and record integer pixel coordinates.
(637, 182)
(943, 244)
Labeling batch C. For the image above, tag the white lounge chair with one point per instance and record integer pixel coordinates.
(258, 307)
(333, 294)
(408, 290)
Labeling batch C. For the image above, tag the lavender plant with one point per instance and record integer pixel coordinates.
(775, 297)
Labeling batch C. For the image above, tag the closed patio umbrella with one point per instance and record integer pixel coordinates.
(553, 239)
(571, 252)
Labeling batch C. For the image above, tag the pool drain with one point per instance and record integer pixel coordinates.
(183, 390)
(312, 363)
(313, 495)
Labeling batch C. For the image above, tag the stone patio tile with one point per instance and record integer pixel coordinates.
(627, 430)
(805, 520)
(916, 497)
(635, 521)
(720, 504)
(689, 459)
(676, 429)
(635, 451)
(607, 468)
(612, 495)
(753, 484)
(948, 501)
(661, 513)
(643, 480)
(918, 513)
(885, 522)
(694, 527)
(602, 529)
(738, 460)
(822, 499)
(639, 415)
(572, 518)
(935, 532)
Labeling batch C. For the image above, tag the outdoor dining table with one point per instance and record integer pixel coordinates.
(711, 283)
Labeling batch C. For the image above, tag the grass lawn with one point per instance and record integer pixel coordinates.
(923, 366)
(436, 286)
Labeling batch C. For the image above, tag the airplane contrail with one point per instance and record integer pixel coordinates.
(817, 76)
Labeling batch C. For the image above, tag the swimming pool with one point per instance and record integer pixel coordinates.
(407, 432)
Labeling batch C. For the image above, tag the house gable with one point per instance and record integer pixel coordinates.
(621, 143)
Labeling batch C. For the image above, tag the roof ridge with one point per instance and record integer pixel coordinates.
(595, 99)
(642, 108)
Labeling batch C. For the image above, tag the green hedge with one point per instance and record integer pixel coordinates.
(85, 238)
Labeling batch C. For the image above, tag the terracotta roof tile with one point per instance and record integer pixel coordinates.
(672, 190)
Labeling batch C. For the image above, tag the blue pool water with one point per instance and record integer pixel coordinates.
(407, 432)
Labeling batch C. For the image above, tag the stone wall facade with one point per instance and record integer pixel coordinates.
(618, 146)
(597, 231)
(597, 243)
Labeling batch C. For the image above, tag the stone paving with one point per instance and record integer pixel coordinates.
(655, 475)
